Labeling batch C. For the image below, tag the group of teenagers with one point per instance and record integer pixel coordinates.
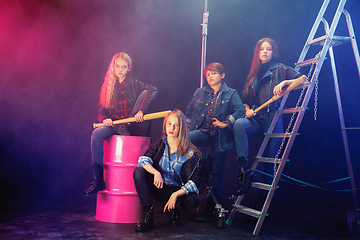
(173, 167)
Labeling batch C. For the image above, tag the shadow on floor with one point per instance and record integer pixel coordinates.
(53, 217)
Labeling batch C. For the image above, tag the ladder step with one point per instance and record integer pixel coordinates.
(268, 160)
(351, 128)
(247, 210)
(336, 40)
(260, 185)
(289, 110)
(277, 135)
(305, 63)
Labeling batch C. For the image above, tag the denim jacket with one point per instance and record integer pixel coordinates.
(228, 107)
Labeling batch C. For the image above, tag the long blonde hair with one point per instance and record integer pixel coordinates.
(107, 96)
(184, 143)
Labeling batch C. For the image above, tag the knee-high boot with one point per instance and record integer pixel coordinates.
(245, 175)
(98, 183)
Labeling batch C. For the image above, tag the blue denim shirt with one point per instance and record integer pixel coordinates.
(229, 107)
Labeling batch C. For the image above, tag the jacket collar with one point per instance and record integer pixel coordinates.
(273, 65)
(223, 88)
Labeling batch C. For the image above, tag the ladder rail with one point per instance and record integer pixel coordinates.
(327, 42)
(352, 39)
(272, 126)
(340, 110)
(343, 130)
(313, 30)
(285, 155)
(336, 18)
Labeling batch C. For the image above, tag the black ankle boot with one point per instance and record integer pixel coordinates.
(98, 183)
(245, 175)
(147, 222)
(174, 219)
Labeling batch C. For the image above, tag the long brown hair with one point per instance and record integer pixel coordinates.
(107, 98)
(256, 63)
(184, 143)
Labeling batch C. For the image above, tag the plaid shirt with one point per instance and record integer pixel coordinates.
(122, 109)
(208, 122)
(170, 169)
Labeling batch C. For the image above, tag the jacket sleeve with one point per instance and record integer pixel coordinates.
(189, 110)
(151, 154)
(189, 173)
(103, 114)
(237, 108)
(152, 93)
(292, 73)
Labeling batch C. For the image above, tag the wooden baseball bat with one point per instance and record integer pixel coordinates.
(149, 116)
(287, 89)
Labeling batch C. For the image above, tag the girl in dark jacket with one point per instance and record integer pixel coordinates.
(267, 77)
(120, 97)
(168, 172)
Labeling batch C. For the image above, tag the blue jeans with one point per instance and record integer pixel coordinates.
(202, 139)
(100, 134)
(257, 125)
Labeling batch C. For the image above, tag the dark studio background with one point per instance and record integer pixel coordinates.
(54, 56)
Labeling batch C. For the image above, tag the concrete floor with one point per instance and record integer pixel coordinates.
(73, 217)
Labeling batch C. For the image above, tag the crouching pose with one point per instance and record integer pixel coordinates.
(168, 172)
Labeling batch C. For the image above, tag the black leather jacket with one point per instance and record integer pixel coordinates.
(277, 73)
(189, 170)
(130, 93)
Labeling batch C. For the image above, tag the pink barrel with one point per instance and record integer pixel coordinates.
(119, 202)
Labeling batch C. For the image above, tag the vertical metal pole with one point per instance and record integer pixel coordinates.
(203, 44)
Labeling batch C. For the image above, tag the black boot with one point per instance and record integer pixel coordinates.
(98, 183)
(245, 175)
(147, 222)
(209, 214)
(174, 219)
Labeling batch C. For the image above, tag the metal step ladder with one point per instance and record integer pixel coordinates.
(288, 137)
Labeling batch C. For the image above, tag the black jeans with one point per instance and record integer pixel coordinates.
(145, 189)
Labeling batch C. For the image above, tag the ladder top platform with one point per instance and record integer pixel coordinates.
(336, 40)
